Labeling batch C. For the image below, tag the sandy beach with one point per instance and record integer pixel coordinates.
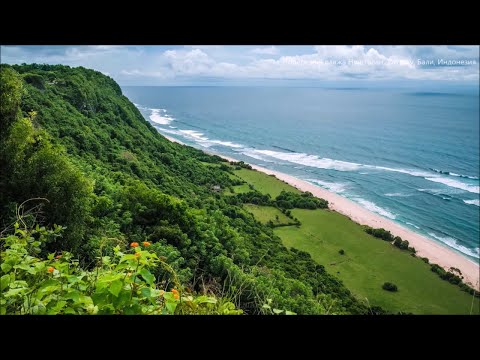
(425, 247)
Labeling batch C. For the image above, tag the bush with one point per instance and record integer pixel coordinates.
(119, 284)
(389, 287)
(341, 252)
(379, 233)
(289, 200)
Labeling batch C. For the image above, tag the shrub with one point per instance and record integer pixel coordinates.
(119, 284)
(389, 287)
(341, 252)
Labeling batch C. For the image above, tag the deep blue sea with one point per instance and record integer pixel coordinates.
(412, 157)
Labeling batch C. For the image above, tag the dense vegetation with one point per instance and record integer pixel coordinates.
(86, 160)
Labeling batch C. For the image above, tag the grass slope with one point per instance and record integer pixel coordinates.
(368, 262)
(265, 183)
(267, 213)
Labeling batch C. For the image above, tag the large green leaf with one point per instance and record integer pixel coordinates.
(147, 276)
(6, 267)
(4, 281)
(115, 287)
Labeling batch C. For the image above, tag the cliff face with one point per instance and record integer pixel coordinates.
(111, 179)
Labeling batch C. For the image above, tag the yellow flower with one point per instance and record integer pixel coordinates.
(134, 244)
(146, 243)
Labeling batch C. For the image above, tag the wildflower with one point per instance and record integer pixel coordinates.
(176, 296)
(134, 244)
(58, 256)
(137, 255)
(174, 291)
(146, 243)
(51, 269)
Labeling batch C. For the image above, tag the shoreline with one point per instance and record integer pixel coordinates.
(424, 246)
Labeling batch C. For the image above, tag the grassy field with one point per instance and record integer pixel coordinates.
(240, 189)
(264, 183)
(267, 213)
(368, 262)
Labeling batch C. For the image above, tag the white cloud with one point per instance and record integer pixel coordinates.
(270, 50)
(154, 64)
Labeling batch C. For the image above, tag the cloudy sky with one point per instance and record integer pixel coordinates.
(213, 65)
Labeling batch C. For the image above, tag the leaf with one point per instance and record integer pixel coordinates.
(4, 281)
(277, 311)
(147, 275)
(290, 312)
(171, 306)
(6, 267)
(146, 292)
(73, 295)
(115, 287)
(205, 300)
(69, 311)
(266, 306)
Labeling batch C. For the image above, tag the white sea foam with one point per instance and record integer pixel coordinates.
(403, 171)
(157, 118)
(472, 202)
(374, 208)
(415, 226)
(331, 164)
(397, 195)
(455, 184)
(454, 244)
(193, 134)
(199, 138)
(307, 160)
(253, 155)
(451, 191)
(455, 174)
(335, 187)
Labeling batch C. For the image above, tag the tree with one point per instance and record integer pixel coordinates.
(11, 90)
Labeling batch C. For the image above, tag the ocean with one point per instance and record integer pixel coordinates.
(409, 156)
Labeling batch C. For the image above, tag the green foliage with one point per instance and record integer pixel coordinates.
(240, 165)
(119, 284)
(390, 287)
(35, 168)
(306, 200)
(107, 176)
(341, 252)
(382, 234)
(11, 90)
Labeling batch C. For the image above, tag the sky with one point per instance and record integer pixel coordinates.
(263, 65)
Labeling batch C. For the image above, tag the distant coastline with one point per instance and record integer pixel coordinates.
(425, 247)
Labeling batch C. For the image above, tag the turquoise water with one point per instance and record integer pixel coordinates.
(412, 157)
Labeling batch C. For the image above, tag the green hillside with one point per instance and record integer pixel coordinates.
(85, 158)
(100, 214)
